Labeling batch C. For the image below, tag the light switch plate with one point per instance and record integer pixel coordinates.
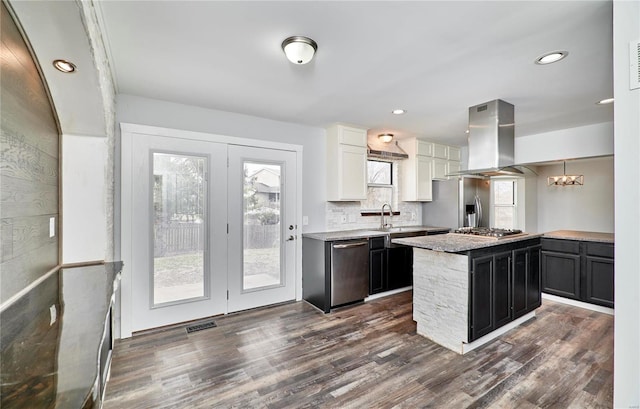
(53, 313)
(305, 220)
(52, 227)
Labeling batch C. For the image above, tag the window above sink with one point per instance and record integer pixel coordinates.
(381, 182)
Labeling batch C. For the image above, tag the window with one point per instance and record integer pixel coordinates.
(504, 203)
(380, 185)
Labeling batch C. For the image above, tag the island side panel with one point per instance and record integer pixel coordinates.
(441, 297)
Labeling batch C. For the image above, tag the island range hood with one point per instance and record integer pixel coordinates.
(491, 140)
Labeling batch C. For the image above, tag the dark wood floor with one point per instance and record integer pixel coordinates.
(368, 356)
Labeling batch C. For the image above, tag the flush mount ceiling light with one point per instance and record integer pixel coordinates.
(565, 180)
(399, 111)
(64, 66)
(551, 57)
(298, 49)
(386, 137)
(605, 101)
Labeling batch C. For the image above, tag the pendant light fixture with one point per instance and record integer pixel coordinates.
(299, 50)
(565, 180)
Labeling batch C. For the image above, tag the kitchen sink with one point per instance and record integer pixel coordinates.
(398, 232)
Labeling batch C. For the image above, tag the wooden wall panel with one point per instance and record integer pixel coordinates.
(29, 167)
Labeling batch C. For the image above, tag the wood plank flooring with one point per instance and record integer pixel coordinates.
(367, 356)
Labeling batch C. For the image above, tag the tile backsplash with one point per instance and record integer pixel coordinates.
(346, 215)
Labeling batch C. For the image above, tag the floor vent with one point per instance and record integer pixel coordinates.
(201, 326)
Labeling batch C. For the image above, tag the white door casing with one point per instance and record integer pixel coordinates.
(131, 170)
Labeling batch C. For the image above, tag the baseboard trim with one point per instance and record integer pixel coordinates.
(580, 304)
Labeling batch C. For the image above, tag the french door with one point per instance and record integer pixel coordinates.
(262, 227)
(211, 226)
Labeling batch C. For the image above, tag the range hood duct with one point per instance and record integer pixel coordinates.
(491, 140)
(377, 149)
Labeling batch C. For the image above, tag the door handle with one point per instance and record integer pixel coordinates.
(291, 238)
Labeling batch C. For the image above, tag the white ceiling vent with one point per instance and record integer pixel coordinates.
(634, 69)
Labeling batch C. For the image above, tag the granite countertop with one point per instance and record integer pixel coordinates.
(455, 243)
(581, 236)
(366, 233)
(51, 337)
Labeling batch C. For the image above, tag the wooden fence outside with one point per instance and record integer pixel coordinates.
(180, 237)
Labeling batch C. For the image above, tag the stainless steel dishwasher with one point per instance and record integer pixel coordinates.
(349, 271)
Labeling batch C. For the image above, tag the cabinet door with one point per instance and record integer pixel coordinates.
(454, 153)
(423, 178)
(561, 274)
(400, 267)
(377, 271)
(352, 136)
(481, 297)
(533, 279)
(520, 281)
(353, 172)
(599, 277)
(440, 169)
(440, 151)
(453, 167)
(502, 289)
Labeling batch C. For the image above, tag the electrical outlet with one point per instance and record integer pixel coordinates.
(343, 218)
(53, 314)
(52, 227)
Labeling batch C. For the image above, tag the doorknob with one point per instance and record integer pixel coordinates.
(291, 238)
(291, 227)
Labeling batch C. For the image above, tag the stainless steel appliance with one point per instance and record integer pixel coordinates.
(486, 232)
(491, 140)
(458, 202)
(349, 271)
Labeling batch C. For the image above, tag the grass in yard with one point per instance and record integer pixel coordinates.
(187, 268)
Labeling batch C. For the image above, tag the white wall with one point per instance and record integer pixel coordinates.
(626, 367)
(589, 207)
(580, 142)
(144, 111)
(84, 199)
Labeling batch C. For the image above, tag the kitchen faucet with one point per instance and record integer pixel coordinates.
(384, 225)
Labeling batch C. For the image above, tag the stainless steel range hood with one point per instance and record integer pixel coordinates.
(491, 140)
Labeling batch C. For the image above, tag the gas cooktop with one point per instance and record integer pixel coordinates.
(492, 233)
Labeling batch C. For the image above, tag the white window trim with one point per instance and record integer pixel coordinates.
(492, 216)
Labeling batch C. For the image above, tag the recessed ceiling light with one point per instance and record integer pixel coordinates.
(551, 57)
(467, 131)
(605, 101)
(399, 111)
(64, 66)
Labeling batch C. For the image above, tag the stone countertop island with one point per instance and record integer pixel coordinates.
(468, 290)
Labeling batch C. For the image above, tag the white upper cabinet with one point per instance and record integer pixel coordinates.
(346, 163)
(440, 151)
(443, 159)
(454, 153)
(440, 169)
(417, 171)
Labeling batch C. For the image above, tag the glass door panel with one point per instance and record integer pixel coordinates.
(179, 220)
(261, 266)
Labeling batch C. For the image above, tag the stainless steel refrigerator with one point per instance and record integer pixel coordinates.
(455, 200)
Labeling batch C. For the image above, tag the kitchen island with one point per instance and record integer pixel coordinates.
(468, 290)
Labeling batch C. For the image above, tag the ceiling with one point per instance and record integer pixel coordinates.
(432, 58)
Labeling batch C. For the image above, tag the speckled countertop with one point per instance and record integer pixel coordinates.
(581, 236)
(364, 233)
(455, 243)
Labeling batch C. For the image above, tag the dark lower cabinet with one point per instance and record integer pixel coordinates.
(561, 274)
(579, 270)
(481, 296)
(400, 267)
(504, 286)
(377, 266)
(599, 275)
(389, 268)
